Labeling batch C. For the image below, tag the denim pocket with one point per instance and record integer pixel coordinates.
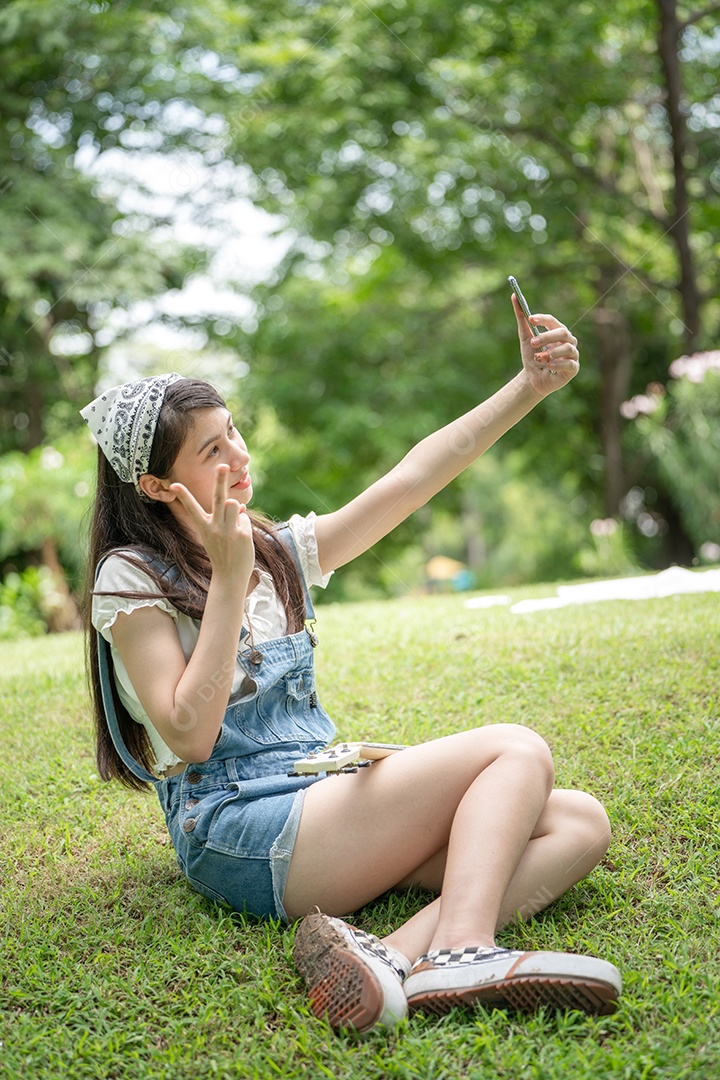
(198, 811)
(300, 694)
(285, 713)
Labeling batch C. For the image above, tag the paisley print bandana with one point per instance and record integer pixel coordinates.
(123, 420)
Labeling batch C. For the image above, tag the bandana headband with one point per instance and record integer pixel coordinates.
(124, 419)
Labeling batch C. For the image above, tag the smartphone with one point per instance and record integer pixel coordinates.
(534, 329)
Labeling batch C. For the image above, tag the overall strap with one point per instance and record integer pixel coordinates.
(111, 716)
(285, 535)
(104, 663)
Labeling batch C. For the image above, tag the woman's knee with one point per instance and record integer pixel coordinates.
(585, 817)
(524, 743)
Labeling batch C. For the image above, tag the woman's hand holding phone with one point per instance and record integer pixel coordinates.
(549, 351)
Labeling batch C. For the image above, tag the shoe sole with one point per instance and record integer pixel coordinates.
(341, 989)
(525, 994)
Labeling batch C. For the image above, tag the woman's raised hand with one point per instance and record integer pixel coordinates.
(226, 533)
(551, 359)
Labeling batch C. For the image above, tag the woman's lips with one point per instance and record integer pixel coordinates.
(244, 482)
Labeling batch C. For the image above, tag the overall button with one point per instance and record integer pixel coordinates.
(190, 824)
(190, 803)
(193, 777)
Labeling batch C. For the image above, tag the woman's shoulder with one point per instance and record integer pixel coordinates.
(123, 583)
(127, 569)
(302, 530)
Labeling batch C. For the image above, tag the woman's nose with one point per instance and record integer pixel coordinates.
(238, 457)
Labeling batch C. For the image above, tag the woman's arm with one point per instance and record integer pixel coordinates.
(549, 362)
(186, 701)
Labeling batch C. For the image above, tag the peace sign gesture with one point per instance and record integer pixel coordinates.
(226, 533)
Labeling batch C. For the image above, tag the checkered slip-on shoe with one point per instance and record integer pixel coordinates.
(353, 980)
(490, 976)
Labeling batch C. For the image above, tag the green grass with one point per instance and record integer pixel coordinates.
(113, 967)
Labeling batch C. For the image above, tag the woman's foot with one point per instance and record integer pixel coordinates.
(352, 978)
(490, 976)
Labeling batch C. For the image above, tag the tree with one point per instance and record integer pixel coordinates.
(694, 151)
(82, 78)
(479, 140)
(419, 152)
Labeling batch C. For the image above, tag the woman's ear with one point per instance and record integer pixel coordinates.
(156, 489)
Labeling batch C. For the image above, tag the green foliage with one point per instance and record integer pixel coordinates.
(611, 551)
(426, 127)
(529, 531)
(81, 79)
(44, 495)
(25, 600)
(682, 435)
(423, 152)
(417, 153)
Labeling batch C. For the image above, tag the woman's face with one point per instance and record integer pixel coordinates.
(213, 441)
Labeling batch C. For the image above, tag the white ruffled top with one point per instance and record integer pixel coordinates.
(262, 607)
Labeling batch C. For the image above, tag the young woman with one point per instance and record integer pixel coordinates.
(201, 669)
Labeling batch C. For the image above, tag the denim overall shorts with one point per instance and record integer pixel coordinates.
(233, 819)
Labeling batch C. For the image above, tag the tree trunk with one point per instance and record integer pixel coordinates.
(615, 362)
(679, 227)
(63, 614)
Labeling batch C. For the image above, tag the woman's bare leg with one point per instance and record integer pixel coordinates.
(479, 794)
(570, 838)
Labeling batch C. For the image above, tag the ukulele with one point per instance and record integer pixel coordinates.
(334, 759)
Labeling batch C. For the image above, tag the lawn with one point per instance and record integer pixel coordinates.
(113, 967)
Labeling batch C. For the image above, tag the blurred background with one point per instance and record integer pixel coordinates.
(316, 206)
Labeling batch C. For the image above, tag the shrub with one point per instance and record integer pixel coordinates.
(682, 435)
(25, 602)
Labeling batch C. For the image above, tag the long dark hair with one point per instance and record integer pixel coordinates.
(121, 519)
